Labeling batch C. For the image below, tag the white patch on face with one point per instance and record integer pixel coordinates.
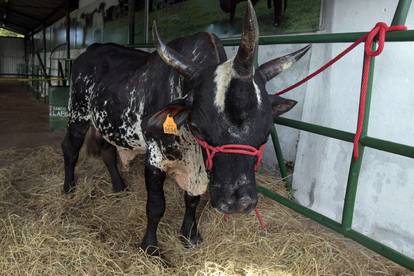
(258, 95)
(223, 75)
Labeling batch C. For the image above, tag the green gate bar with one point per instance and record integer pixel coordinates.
(355, 167)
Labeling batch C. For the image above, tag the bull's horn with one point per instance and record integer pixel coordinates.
(272, 68)
(171, 57)
(244, 60)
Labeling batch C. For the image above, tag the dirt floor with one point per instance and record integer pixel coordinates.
(23, 119)
(96, 232)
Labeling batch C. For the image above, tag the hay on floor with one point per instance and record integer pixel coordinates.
(94, 231)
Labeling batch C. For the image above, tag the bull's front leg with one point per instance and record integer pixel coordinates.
(189, 234)
(154, 182)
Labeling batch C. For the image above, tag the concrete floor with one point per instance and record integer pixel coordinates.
(24, 121)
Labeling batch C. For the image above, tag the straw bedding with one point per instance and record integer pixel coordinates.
(94, 231)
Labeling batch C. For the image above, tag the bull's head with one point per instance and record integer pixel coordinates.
(229, 104)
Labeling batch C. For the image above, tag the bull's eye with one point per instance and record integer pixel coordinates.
(195, 130)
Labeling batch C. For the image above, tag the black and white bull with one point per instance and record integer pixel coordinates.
(126, 95)
(279, 7)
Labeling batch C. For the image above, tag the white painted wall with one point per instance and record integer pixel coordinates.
(385, 198)
(11, 54)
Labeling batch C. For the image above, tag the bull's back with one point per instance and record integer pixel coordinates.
(99, 59)
(91, 68)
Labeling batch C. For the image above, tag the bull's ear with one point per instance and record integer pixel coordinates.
(280, 105)
(179, 110)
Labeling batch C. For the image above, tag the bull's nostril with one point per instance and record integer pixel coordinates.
(246, 204)
(224, 208)
(245, 201)
(229, 201)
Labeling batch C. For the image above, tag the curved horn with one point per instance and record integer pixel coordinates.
(274, 67)
(243, 62)
(171, 57)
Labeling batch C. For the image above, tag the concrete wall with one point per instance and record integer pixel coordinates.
(385, 197)
(11, 54)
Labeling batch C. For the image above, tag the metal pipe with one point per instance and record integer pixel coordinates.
(44, 43)
(321, 130)
(281, 160)
(42, 65)
(370, 142)
(146, 22)
(131, 22)
(67, 30)
(401, 13)
(68, 64)
(388, 146)
(313, 38)
(26, 54)
(355, 167)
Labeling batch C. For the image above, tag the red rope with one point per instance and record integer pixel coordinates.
(379, 31)
(259, 217)
(231, 149)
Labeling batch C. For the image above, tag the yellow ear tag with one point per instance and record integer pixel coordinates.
(169, 125)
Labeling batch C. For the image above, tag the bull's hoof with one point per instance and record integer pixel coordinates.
(117, 188)
(154, 251)
(150, 250)
(192, 241)
(69, 189)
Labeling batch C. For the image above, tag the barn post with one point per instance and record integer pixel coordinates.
(26, 56)
(67, 63)
(44, 86)
(33, 46)
(146, 22)
(44, 43)
(131, 22)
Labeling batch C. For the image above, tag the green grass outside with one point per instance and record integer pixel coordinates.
(205, 15)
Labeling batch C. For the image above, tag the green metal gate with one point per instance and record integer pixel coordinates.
(345, 227)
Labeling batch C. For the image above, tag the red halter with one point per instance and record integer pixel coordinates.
(230, 148)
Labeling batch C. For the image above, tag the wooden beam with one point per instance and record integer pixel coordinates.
(13, 27)
(8, 10)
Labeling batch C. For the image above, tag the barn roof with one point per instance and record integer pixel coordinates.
(28, 16)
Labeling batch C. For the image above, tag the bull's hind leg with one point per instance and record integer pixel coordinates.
(75, 135)
(154, 182)
(109, 157)
(190, 235)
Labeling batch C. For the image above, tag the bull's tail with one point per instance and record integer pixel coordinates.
(93, 142)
